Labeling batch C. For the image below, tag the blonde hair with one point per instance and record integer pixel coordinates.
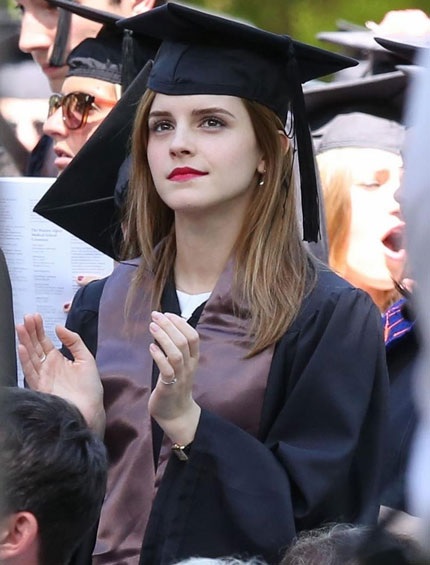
(273, 270)
(337, 170)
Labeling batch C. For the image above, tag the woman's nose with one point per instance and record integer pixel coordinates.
(181, 142)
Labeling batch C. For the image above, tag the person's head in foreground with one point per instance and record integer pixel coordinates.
(360, 164)
(49, 33)
(52, 477)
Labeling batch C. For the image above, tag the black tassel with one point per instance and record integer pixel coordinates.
(308, 181)
(127, 73)
(58, 57)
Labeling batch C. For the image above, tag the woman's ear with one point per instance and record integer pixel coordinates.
(261, 167)
(285, 142)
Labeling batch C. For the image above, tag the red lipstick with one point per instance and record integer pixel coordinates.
(182, 174)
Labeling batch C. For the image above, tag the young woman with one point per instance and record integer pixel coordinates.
(360, 164)
(244, 384)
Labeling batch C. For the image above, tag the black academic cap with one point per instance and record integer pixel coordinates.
(114, 55)
(209, 54)
(99, 58)
(203, 53)
(360, 130)
(82, 199)
(405, 47)
(362, 45)
(381, 95)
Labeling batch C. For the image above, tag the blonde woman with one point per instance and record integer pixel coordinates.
(360, 165)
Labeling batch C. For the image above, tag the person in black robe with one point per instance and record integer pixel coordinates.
(244, 383)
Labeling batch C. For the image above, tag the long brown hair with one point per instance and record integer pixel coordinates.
(273, 270)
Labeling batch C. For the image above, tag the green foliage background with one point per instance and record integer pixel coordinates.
(302, 18)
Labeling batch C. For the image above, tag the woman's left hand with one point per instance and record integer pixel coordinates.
(176, 353)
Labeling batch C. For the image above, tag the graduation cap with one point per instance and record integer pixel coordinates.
(114, 55)
(362, 44)
(360, 130)
(405, 47)
(82, 199)
(381, 95)
(202, 53)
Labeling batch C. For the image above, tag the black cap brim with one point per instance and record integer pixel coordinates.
(407, 48)
(355, 40)
(81, 200)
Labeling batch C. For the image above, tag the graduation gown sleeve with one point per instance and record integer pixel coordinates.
(318, 457)
(84, 315)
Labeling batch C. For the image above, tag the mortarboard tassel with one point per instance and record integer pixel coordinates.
(58, 57)
(308, 181)
(127, 73)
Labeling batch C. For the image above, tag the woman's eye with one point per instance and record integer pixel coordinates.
(212, 122)
(160, 126)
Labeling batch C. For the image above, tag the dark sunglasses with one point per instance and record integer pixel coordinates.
(75, 107)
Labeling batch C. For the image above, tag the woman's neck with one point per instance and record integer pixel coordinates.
(202, 251)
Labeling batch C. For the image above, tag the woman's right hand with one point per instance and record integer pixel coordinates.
(47, 370)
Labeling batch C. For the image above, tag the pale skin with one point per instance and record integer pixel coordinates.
(208, 134)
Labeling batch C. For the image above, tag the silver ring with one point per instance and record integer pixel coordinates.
(169, 382)
(43, 358)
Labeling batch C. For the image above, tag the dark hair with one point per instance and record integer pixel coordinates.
(51, 465)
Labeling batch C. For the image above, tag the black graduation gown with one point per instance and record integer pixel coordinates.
(318, 455)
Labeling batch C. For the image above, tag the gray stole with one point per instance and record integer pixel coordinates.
(225, 383)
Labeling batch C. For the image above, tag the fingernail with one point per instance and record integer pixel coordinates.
(66, 306)
(80, 278)
(156, 315)
(153, 327)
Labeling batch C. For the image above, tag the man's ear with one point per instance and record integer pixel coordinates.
(285, 142)
(18, 536)
(141, 6)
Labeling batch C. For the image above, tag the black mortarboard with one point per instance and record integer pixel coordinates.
(99, 58)
(360, 130)
(82, 199)
(374, 59)
(206, 54)
(380, 95)
(405, 47)
(114, 55)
